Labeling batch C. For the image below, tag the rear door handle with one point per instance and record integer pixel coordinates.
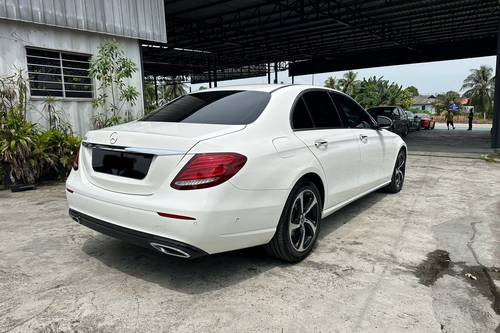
(320, 143)
(363, 138)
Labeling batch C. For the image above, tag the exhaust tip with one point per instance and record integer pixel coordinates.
(169, 250)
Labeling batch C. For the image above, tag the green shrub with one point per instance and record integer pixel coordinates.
(55, 151)
(28, 154)
(17, 143)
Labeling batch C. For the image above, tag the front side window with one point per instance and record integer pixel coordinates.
(355, 115)
(229, 107)
(322, 110)
(59, 74)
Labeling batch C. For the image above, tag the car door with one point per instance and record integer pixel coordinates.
(371, 172)
(411, 120)
(317, 123)
(396, 118)
(404, 120)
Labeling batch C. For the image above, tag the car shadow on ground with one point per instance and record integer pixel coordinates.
(207, 273)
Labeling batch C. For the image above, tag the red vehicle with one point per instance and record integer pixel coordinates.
(426, 121)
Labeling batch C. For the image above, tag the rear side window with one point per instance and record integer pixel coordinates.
(215, 107)
(322, 110)
(354, 114)
(300, 116)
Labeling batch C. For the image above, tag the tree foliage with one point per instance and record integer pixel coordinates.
(443, 100)
(332, 83)
(373, 91)
(413, 90)
(111, 68)
(174, 89)
(480, 87)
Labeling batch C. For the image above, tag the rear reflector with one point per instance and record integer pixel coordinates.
(207, 170)
(173, 216)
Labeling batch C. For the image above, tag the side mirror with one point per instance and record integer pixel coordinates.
(384, 122)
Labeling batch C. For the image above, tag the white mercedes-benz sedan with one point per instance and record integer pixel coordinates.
(234, 167)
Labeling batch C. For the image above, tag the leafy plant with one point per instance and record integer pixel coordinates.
(17, 141)
(112, 68)
(13, 93)
(54, 115)
(55, 151)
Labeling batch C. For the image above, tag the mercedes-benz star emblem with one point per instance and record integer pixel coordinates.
(113, 138)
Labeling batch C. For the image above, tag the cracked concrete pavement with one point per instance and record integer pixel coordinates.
(366, 274)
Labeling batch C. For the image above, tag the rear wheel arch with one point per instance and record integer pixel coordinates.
(317, 181)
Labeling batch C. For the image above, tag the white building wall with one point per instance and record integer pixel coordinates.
(15, 36)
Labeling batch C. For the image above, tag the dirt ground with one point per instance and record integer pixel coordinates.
(386, 263)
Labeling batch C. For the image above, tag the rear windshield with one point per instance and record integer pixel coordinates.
(380, 111)
(214, 107)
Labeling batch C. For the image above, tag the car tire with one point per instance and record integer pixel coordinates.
(398, 174)
(297, 232)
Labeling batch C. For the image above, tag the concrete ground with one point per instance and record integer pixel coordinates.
(386, 263)
(450, 143)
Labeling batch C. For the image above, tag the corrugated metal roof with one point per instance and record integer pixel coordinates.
(140, 19)
(424, 100)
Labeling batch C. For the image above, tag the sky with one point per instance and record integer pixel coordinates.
(429, 77)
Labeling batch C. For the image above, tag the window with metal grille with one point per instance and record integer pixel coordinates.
(59, 74)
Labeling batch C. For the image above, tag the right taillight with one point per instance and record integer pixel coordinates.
(207, 170)
(76, 161)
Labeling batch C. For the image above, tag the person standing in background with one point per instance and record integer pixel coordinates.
(449, 120)
(471, 116)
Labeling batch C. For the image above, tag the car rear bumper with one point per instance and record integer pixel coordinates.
(165, 245)
(223, 218)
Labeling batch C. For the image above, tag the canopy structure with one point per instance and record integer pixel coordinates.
(216, 40)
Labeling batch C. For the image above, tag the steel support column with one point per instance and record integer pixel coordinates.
(495, 140)
(275, 73)
(268, 73)
(209, 75)
(156, 90)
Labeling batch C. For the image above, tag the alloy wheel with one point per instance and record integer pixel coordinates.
(400, 169)
(303, 220)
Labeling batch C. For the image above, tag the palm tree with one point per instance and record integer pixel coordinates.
(349, 82)
(332, 83)
(174, 89)
(480, 86)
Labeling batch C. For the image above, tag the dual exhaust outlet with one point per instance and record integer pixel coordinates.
(169, 250)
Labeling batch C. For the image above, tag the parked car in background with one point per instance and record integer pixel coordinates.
(426, 121)
(198, 175)
(413, 121)
(400, 124)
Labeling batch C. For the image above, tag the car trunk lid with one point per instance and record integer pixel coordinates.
(138, 157)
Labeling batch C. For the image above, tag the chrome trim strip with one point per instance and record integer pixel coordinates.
(153, 151)
(139, 150)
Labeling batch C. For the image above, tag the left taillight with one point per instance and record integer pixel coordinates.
(76, 161)
(207, 170)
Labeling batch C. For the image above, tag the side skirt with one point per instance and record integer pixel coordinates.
(333, 209)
